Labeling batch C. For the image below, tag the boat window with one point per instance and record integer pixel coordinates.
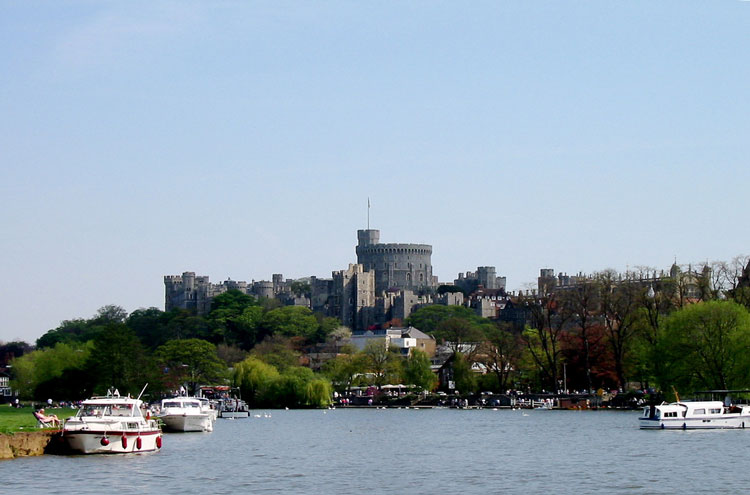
(172, 404)
(122, 410)
(699, 411)
(670, 414)
(94, 410)
(714, 411)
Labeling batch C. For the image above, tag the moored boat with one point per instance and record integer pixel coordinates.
(185, 414)
(691, 415)
(233, 408)
(111, 425)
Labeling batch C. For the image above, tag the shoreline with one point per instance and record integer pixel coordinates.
(26, 443)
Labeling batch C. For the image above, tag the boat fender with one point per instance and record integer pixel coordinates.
(662, 426)
(158, 442)
(124, 441)
(684, 426)
(104, 441)
(138, 443)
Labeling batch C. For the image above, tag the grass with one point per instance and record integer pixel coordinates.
(14, 420)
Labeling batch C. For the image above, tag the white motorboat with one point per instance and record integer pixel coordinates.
(689, 415)
(185, 414)
(111, 425)
(233, 408)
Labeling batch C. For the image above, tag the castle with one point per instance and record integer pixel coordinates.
(388, 282)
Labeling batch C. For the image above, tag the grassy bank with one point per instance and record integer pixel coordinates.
(14, 420)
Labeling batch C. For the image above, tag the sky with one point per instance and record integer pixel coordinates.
(237, 139)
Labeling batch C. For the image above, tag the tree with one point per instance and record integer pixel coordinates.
(466, 382)
(549, 317)
(382, 361)
(620, 309)
(342, 370)
(583, 301)
(705, 346)
(119, 360)
(110, 314)
(277, 351)
(150, 326)
(501, 353)
(291, 321)
(428, 318)
(418, 371)
(254, 377)
(461, 335)
(191, 360)
(45, 365)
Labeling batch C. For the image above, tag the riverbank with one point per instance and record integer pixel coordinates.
(27, 443)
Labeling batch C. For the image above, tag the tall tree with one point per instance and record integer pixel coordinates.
(501, 353)
(119, 360)
(549, 317)
(418, 371)
(705, 345)
(191, 360)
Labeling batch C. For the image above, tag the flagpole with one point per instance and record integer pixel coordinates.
(368, 213)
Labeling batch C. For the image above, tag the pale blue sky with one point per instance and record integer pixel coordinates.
(241, 139)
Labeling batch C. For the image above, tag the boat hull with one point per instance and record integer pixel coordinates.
(187, 422)
(695, 423)
(90, 442)
(234, 414)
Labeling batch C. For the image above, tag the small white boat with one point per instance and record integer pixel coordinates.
(111, 425)
(689, 415)
(185, 414)
(233, 409)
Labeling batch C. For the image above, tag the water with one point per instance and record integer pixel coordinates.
(407, 451)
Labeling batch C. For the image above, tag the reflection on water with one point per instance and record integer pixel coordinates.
(407, 451)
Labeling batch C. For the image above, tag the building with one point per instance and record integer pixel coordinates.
(193, 293)
(396, 266)
(353, 297)
(404, 339)
(485, 276)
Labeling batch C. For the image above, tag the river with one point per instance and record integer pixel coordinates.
(407, 451)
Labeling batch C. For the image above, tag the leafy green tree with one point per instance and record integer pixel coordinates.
(277, 351)
(418, 371)
(69, 331)
(254, 378)
(150, 326)
(291, 321)
(119, 360)
(428, 318)
(705, 346)
(466, 381)
(191, 360)
(343, 369)
(33, 369)
(318, 393)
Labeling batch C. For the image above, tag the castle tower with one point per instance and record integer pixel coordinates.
(396, 266)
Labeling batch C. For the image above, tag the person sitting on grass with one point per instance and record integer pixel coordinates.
(51, 419)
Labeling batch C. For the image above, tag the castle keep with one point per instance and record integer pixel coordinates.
(396, 266)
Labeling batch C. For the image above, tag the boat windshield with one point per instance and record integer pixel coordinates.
(180, 404)
(99, 410)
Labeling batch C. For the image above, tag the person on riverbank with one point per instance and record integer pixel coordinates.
(52, 418)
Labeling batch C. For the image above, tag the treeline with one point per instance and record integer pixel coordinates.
(689, 330)
(84, 357)
(609, 331)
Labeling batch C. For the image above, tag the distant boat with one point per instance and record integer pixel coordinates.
(698, 415)
(233, 409)
(185, 414)
(111, 425)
